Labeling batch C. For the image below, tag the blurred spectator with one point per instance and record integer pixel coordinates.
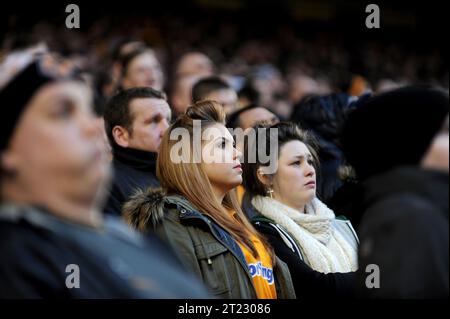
(300, 86)
(52, 182)
(135, 121)
(268, 80)
(358, 86)
(141, 68)
(16, 60)
(248, 95)
(385, 85)
(181, 93)
(216, 89)
(194, 63)
(249, 116)
(398, 144)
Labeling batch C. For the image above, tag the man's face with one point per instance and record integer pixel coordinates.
(195, 63)
(227, 97)
(143, 70)
(151, 118)
(55, 150)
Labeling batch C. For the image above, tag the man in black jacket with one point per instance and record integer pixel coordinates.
(54, 240)
(398, 143)
(135, 121)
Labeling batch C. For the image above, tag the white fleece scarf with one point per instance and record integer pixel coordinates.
(323, 248)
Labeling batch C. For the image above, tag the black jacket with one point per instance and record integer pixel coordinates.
(132, 170)
(38, 250)
(404, 231)
(308, 283)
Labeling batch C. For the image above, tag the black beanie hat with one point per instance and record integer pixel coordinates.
(393, 129)
(14, 97)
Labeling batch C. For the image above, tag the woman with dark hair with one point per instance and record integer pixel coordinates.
(197, 213)
(320, 249)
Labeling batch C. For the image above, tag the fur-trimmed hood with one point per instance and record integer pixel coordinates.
(145, 209)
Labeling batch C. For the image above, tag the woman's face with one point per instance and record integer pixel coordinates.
(220, 159)
(294, 183)
(56, 150)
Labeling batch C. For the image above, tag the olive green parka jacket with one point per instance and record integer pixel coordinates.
(202, 246)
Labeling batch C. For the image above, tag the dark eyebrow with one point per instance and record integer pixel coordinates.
(309, 156)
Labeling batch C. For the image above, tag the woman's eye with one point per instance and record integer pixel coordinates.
(65, 110)
(296, 163)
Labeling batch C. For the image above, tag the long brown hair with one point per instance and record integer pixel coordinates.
(190, 180)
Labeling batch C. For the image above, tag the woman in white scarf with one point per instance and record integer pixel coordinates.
(287, 201)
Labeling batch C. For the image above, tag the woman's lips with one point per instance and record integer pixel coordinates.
(311, 184)
(238, 167)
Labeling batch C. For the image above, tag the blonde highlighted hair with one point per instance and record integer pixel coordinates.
(190, 180)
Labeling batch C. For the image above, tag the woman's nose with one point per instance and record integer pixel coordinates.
(310, 170)
(237, 154)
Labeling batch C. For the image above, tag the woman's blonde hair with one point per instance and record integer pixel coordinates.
(190, 180)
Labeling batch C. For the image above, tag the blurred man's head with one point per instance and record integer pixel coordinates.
(51, 153)
(269, 82)
(141, 68)
(250, 116)
(301, 86)
(181, 95)
(214, 88)
(248, 95)
(194, 63)
(126, 47)
(137, 118)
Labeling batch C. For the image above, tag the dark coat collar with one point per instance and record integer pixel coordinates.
(429, 184)
(138, 159)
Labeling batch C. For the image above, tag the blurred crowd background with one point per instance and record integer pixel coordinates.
(241, 63)
(283, 50)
